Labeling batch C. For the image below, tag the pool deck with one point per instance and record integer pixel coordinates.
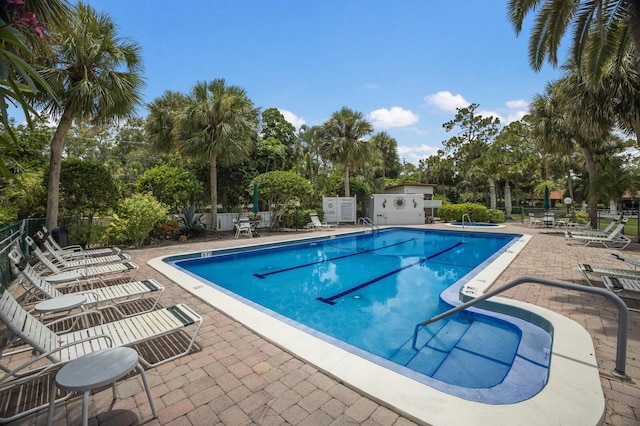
(237, 377)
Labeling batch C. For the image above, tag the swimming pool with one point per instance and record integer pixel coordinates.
(407, 394)
(367, 292)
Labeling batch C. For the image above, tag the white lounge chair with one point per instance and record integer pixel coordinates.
(618, 284)
(85, 261)
(615, 240)
(24, 329)
(75, 250)
(316, 224)
(55, 274)
(597, 232)
(98, 298)
(626, 259)
(588, 271)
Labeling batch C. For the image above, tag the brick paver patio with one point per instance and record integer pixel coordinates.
(239, 378)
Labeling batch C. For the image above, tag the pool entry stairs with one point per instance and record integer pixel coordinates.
(456, 351)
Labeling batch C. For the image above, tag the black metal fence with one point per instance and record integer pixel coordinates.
(11, 235)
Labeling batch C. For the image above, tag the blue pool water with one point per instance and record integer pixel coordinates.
(368, 291)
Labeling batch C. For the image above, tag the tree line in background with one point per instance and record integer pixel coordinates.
(210, 146)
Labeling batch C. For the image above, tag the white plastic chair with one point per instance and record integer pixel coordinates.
(243, 227)
(316, 224)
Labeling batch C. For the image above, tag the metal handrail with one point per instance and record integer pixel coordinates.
(623, 313)
(468, 217)
(366, 221)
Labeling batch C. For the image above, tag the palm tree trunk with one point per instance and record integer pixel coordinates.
(492, 193)
(508, 204)
(570, 185)
(55, 165)
(345, 176)
(213, 181)
(591, 170)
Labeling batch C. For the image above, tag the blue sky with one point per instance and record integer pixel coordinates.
(405, 65)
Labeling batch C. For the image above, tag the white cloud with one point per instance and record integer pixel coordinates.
(292, 118)
(487, 113)
(370, 86)
(516, 116)
(413, 154)
(517, 104)
(447, 101)
(395, 117)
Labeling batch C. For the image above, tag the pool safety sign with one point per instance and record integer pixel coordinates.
(339, 209)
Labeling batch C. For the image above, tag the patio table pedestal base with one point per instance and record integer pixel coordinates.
(96, 370)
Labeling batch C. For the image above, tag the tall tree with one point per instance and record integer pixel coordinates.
(275, 126)
(475, 134)
(311, 165)
(214, 123)
(344, 142)
(572, 112)
(388, 149)
(23, 33)
(95, 75)
(603, 31)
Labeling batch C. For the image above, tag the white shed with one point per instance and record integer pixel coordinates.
(407, 204)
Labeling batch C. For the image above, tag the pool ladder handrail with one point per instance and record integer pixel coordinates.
(468, 217)
(364, 220)
(623, 313)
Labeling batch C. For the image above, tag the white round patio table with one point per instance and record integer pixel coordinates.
(96, 370)
(60, 304)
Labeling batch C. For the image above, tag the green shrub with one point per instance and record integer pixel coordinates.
(454, 212)
(495, 216)
(8, 215)
(136, 218)
(289, 218)
(166, 229)
(85, 235)
(581, 216)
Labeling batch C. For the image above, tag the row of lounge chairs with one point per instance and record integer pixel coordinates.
(614, 279)
(611, 237)
(84, 274)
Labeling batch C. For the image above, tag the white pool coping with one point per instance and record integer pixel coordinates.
(573, 394)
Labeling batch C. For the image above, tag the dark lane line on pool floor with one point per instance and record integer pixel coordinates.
(330, 300)
(266, 274)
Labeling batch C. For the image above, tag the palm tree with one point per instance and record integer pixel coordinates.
(160, 123)
(603, 31)
(572, 112)
(95, 76)
(343, 141)
(217, 123)
(388, 148)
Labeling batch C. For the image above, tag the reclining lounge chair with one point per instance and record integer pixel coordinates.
(316, 224)
(615, 240)
(73, 251)
(24, 329)
(52, 273)
(85, 261)
(103, 297)
(588, 270)
(619, 284)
